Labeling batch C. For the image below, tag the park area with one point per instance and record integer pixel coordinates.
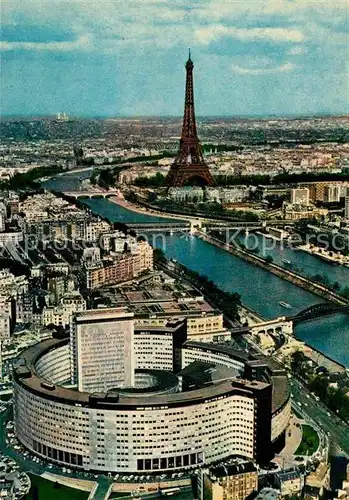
(43, 489)
(310, 441)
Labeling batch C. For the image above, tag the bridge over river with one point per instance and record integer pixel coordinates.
(193, 226)
(319, 310)
(92, 194)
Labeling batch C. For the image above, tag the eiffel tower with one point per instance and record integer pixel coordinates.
(189, 167)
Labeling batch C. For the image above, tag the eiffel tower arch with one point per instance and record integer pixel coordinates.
(189, 167)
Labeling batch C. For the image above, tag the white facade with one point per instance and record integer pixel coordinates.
(55, 365)
(102, 349)
(91, 255)
(5, 317)
(94, 229)
(5, 327)
(61, 315)
(153, 350)
(122, 432)
(280, 421)
(135, 440)
(300, 196)
(3, 212)
(192, 353)
(332, 193)
(207, 328)
(346, 207)
(11, 238)
(227, 195)
(187, 193)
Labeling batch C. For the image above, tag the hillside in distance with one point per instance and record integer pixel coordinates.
(153, 129)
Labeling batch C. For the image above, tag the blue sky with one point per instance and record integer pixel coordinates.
(126, 57)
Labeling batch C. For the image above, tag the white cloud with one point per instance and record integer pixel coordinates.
(261, 71)
(296, 51)
(140, 24)
(207, 34)
(82, 43)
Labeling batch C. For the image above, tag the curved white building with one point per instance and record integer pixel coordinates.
(202, 415)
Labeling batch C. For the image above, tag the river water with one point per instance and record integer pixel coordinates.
(302, 262)
(259, 289)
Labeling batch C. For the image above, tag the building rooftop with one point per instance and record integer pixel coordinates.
(102, 314)
(200, 374)
(159, 299)
(25, 374)
(232, 470)
(218, 348)
(288, 475)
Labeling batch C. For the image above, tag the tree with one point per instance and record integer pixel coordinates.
(157, 180)
(319, 385)
(94, 177)
(120, 226)
(269, 259)
(106, 178)
(159, 255)
(152, 197)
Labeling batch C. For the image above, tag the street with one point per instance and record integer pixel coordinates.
(337, 430)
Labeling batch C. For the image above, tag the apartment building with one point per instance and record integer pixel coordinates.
(232, 482)
(120, 267)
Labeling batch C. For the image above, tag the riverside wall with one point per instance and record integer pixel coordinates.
(285, 274)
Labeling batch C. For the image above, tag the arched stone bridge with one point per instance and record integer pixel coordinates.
(319, 310)
(92, 194)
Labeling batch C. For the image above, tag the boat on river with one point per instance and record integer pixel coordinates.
(285, 304)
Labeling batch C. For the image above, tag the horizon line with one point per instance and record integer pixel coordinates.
(135, 116)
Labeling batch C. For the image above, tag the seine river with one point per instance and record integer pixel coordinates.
(259, 289)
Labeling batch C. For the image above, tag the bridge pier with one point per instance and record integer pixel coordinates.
(274, 327)
(195, 225)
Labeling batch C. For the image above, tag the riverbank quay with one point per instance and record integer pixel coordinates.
(156, 210)
(138, 209)
(296, 279)
(180, 272)
(326, 256)
(253, 317)
(326, 361)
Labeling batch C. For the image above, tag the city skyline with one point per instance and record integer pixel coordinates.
(261, 59)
